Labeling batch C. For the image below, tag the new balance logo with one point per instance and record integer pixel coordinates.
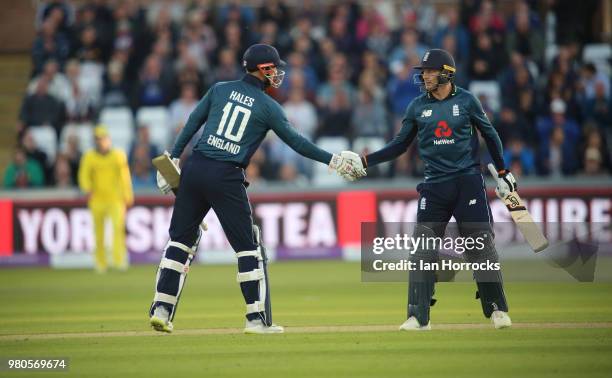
(426, 113)
(472, 202)
(456, 110)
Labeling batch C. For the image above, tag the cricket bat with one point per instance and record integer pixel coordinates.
(170, 172)
(530, 230)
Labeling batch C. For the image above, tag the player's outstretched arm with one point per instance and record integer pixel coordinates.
(398, 145)
(287, 133)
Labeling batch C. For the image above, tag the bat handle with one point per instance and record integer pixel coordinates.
(493, 170)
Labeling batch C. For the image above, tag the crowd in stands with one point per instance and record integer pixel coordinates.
(349, 77)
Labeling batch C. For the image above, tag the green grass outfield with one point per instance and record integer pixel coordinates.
(336, 326)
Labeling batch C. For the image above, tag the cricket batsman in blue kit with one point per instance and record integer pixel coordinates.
(444, 120)
(236, 116)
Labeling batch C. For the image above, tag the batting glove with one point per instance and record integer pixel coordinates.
(162, 184)
(348, 165)
(506, 183)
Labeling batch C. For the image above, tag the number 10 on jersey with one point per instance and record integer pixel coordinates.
(229, 131)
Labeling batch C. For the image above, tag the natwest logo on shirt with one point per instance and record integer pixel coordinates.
(443, 134)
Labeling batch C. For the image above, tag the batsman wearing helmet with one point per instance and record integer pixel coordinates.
(235, 117)
(444, 119)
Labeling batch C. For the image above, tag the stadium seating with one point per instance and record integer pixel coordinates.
(321, 173)
(45, 138)
(598, 54)
(120, 124)
(157, 119)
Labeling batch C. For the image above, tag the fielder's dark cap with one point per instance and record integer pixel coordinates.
(437, 59)
(261, 54)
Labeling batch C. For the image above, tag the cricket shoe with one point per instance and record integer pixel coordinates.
(257, 327)
(412, 324)
(160, 320)
(500, 319)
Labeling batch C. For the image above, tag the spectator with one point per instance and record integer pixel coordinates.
(72, 153)
(372, 64)
(449, 43)
(562, 80)
(80, 104)
(420, 14)
(328, 50)
(62, 173)
(59, 86)
(23, 172)
(308, 48)
(188, 74)
(61, 13)
(453, 27)
(234, 39)
(142, 142)
(297, 81)
(485, 59)
(115, 87)
(336, 99)
(589, 80)
(34, 153)
(369, 117)
(599, 108)
(337, 81)
(89, 48)
(182, 107)
(253, 171)
(401, 88)
(41, 108)
(520, 156)
(151, 90)
(276, 12)
(339, 34)
(297, 62)
(199, 38)
(595, 154)
(289, 174)
(162, 18)
(558, 136)
(592, 162)
(488, 20)
(512, 124)
(410, 46)
(228, 68)
(378, 40)
(49, 45)
(301, 113)
(524, 40)
(303, 116)
(369, 22)
(143, 174)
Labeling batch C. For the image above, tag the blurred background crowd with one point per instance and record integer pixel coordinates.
(540, 68)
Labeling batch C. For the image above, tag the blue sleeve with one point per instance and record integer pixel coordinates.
(194, 122)
(287, 133)
(481, 121)
(399, 144)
